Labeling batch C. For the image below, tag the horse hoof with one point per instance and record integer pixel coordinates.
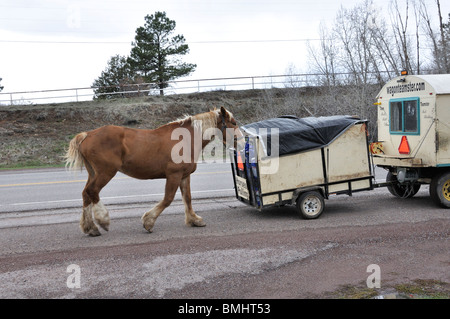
(94, 233)
(198, 223)
(104, 226)
(148, 228)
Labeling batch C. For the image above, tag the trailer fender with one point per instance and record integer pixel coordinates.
(299, 191)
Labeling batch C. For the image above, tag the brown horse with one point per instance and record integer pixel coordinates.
(145, 154)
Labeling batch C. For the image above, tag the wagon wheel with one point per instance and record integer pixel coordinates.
(440, 189)
(401, 190)
(310, 204)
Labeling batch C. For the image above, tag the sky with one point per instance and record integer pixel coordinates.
(58, 44)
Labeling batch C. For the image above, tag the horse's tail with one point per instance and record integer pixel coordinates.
(74, 159)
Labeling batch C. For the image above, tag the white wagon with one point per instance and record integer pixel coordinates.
(414, 135)
(301, 161)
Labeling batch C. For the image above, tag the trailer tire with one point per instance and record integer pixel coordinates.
(310, 204)
(440, 190)
(399, 190)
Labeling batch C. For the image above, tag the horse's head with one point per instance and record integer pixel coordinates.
(228, 125)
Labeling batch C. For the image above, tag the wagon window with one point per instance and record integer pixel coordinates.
(404, 116)
(410, 110)
(396, 116)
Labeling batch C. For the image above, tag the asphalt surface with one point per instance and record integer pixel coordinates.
(43, 189)
(241, 253)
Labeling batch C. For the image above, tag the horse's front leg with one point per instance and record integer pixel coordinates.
(192, 219)
(149, 218)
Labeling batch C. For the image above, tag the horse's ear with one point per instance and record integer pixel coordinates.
(224, 112)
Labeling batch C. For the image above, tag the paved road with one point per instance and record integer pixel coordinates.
(26, 190)
(45, 189)
(241, 253)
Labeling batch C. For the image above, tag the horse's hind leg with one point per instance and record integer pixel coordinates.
(92, 204)
(101, 215)
(87, 224)
(192, 219)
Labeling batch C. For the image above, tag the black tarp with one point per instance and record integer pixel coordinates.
(300, 134)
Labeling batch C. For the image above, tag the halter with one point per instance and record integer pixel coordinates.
(224, 126)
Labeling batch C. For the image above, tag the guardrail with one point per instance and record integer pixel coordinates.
(175, 87)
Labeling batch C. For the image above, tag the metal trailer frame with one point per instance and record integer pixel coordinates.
(343, 166)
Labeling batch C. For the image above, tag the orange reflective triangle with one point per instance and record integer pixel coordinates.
(404, 146)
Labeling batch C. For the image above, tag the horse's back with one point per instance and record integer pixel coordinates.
(131, 151)
(104, 144)
(139, 153)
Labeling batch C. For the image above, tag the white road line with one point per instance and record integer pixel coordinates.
(84, 180)
(110, 197)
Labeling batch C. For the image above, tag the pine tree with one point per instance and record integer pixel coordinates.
(155, 54)
(115, 78)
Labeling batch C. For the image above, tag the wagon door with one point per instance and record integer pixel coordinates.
(443, 130)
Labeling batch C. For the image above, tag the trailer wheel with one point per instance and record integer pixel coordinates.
(440, 189)
(401, 190)
(310, 204)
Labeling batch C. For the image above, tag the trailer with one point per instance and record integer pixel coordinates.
(301, 161)
(414, 135)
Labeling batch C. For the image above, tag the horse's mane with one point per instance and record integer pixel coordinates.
(205, 120)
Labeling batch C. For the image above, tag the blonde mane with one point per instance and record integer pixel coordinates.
(204, 120)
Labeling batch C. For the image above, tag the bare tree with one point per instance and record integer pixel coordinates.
(362, 52)
(323, 61)
(352, 60)
(400, 28)
(387, 59)
(418, 23)
(354, 28)
(292, 79)
(444, 45)
(439, 60)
